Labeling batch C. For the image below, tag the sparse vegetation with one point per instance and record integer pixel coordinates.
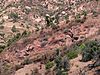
(60, 30)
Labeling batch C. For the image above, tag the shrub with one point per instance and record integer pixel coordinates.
(84, 13)
(49, 65)
(26, 61)
(14, 28)
(65, 64)
(51, 21)
(2, 47)
(25, 33)
(59, 72)
(78, 18)
(1, 27)
(2, 34)
(13, 39)
(91, 48)
(72, 54)
(14, 16)
(95, 14)
(58, 61)
(57, 52)
(2, 21)
(62, 63)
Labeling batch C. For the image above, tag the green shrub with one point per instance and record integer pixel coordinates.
(2, 47)
(2, 34)
(51, 21)
(13, 39)
(14, 16)
(25, 33)
(58, 61)
(65, 64)
(13, 29)
(72, 54)
(91, 48)
(49, 65)
(95, 14)
(59, 72)
(84, 13)
(78, 18)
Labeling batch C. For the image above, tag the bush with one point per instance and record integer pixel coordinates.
(65, 64)
(2, 34)
(26, 61)
(84, 13)
(2, 47)
(78, 18)
(51, 21)
(58, 61)
(14, 16)
(2, 21)
(1, 27)
(49, 65)
(95, 14)
(14, 28)
(25, 33)
(91, 48)
(13, 39)
(72, 54)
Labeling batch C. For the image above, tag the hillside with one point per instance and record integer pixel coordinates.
(49, 37)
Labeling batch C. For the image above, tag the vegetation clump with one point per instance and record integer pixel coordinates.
(90, 50)
(14, 28)
(49, 65)
(72, 54)
(51, 21)
(62, 64)
(14, 16)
